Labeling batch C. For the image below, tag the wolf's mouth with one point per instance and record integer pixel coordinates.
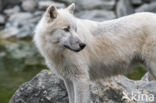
(81, 46)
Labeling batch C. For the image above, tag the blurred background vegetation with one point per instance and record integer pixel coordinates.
(19, 58)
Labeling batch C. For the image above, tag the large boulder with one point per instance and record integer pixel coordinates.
(47, 88)
(43, 88)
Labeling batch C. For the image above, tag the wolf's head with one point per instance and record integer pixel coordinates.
(62, 28)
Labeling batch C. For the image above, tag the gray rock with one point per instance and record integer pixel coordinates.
(18, 17)
(47, 88)
(9, 32)
(29, 5)
(5, 3)
(44, 88)
(124, 8)
(2, 19)
(13, 10)
(137, 2)
(95, 4)
(147, 7)
(97, 15)
(92, 4)
(44, 4)
(142, 8)
(21, 25)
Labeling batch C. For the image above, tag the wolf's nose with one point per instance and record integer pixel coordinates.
(82, 45)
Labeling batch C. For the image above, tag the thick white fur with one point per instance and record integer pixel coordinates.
(112, 47)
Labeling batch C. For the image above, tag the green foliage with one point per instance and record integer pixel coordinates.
(138, 72)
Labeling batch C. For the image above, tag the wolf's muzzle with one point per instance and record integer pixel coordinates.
(74, 44)
(78, 48)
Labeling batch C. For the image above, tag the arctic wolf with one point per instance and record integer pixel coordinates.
(79, 50)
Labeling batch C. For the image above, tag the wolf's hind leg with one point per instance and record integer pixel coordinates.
(70, 89)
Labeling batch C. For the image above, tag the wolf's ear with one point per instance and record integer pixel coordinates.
(71, 8)
(52, 12)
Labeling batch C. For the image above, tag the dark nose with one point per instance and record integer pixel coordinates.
(82, 45)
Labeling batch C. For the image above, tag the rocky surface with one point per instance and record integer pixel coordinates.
(19, 17)
(47, 88)
(21, 24)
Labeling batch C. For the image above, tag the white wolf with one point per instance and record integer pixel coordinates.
(81, 50)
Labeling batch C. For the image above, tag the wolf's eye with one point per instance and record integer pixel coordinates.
(67, 29)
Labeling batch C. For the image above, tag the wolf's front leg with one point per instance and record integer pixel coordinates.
(81, 87)
(70, 89)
